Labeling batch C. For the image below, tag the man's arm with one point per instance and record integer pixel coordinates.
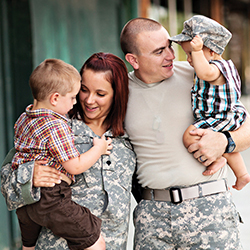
(241, 136)
(212, 144)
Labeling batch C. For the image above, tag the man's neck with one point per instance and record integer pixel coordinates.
(146, 78)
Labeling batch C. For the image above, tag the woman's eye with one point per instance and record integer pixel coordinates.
(83, 89)
(101, 95)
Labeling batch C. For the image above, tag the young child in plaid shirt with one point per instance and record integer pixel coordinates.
(216, 90)
(42, 133)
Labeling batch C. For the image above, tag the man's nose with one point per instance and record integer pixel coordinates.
(170, 54)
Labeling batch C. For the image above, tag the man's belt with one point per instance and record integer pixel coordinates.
(177, 195)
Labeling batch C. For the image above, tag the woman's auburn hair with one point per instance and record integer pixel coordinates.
(117, 75)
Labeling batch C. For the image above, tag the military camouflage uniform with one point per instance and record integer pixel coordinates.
(188, 225)
(104, 189)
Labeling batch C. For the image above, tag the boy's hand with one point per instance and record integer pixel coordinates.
(104, 145)
(197, 43)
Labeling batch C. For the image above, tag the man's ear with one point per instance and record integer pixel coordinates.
(54, 98)
(132, 59)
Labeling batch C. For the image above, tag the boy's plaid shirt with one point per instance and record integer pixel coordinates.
(43, 135)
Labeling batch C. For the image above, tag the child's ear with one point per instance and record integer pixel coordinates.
(211, 52)
(54, 98)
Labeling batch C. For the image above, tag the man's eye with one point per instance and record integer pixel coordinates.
(159, 52)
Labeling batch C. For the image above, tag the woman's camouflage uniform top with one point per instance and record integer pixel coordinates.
(104, 189)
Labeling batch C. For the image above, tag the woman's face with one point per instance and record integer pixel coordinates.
(96, 95)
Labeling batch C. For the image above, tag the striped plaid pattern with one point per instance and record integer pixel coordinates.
(43, 135)
(218, 107)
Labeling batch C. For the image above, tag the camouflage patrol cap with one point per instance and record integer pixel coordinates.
(214, 35)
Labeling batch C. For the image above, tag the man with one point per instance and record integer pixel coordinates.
(181, 208)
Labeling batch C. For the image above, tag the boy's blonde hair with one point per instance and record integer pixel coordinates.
(51, 76)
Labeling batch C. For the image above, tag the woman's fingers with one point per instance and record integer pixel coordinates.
(45, 176)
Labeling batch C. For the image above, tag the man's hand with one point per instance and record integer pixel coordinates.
(45, 176)
(211, 146)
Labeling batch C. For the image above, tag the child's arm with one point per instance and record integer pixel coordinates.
(86, 160)
(204, 70)
(190, 139)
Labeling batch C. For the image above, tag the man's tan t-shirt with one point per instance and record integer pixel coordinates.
(157, 116)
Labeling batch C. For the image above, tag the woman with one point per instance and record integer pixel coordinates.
(105, 187)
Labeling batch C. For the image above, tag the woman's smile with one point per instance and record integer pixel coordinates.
(96, 95)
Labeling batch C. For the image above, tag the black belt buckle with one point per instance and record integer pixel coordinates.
(172, 195)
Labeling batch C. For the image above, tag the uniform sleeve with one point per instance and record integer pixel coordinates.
(16, 186)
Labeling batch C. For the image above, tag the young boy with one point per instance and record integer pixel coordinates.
(42, 133)
(216, 89)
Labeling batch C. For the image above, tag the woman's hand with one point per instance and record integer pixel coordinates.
(45, 176)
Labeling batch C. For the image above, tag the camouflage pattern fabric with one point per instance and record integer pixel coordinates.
(214, 36)
(209, 222)
(104, 189)
(16, 186)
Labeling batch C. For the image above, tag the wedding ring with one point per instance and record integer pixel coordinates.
(201, 159)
